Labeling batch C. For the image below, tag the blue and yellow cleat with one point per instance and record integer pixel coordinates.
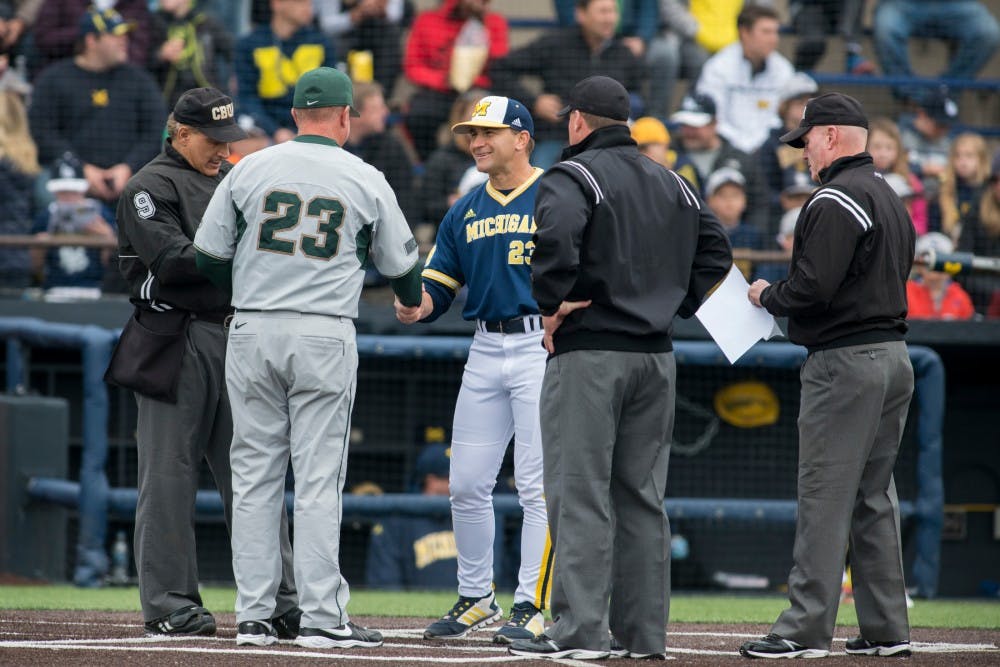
(526, 622)
(467, 614)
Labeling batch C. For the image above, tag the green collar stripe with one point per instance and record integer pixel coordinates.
(315, 139)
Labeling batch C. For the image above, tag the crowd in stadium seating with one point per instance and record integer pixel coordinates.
(91, 84)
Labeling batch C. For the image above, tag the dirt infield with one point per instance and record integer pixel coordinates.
(117, 638)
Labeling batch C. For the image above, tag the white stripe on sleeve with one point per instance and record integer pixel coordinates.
(849, 204)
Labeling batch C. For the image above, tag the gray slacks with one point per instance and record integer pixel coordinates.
(853, 410)
(607, 420)
(171, 440)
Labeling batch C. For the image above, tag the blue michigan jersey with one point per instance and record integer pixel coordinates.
(484, 242)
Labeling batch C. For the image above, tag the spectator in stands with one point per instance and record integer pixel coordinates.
(784, 238)
(745, 79)
(962, 184)
(796, 189)
(370, 25)
(437, 189)
(561, 58)
(268, 63)
(782, 165)
(104, 110)
(933, 295)
(726, 196)
(885, 145)
(191, 49)
(927, 137)
(72, 212)
(639, 30)
(16, 19)
(673, 54)
(375, 144)
(57, 28)
(11, 79)
(450, 49)
(701, 151)
(654, 141)
(967, 25)
(981, 236)
(903, 190)
(815, 21)
(18, 171)
(416, 552)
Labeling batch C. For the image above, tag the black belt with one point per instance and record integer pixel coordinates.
(525, 324)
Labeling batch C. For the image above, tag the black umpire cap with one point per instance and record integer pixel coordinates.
(598, 95)
(211, 112)
(828, 109)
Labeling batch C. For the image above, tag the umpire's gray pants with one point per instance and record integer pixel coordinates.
(171, 440)
(607, 419)
(853, 410)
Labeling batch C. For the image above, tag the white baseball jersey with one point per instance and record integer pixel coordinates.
(299, 220)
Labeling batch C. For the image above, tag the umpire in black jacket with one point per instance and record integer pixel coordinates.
(183, 407)
(622, 246)
(845, 299)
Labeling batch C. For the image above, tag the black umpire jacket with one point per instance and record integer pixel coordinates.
(621, 230)
(852, 254)
(158, 214)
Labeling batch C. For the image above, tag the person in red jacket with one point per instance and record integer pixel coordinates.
(933, 295)
(449, 51)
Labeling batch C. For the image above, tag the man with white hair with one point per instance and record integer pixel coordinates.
(845, 299)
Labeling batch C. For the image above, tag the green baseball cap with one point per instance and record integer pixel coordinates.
(324, 87)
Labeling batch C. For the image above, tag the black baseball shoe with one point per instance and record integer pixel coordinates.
(287, 625)
(466, 615)
(256, 633)
(526, 622)
(190, 620)
(775, 646)
(861, 646)
(618, 650)
(344, 636)
(544, 647)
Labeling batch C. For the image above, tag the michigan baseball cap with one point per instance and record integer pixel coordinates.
(107, 22)
(722, 176)
(211, 112)
(938, 105)
(324, 87)
(598, 95)
(828, 109)
(67, 175)
(649, 130)
(697, 110)
(434, 459)
(495, 111)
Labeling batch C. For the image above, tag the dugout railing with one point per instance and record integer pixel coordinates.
(384, 364)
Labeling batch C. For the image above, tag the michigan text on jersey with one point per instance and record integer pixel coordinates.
(509, 223)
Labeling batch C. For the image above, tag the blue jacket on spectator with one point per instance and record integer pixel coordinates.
(268, 68)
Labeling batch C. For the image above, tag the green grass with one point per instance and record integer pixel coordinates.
(684, 608)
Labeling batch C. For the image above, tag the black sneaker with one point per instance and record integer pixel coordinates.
(861, 646)
(619, 651)
(526, 622)
(344, 636)
(190, 620)
(256, 633)
(465, 615)
(775, 646)
(544, 647)
(287, 625)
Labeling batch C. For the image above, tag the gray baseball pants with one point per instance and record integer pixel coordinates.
(853, 410)
(607, 420)
(171, 441)
(292, 380)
